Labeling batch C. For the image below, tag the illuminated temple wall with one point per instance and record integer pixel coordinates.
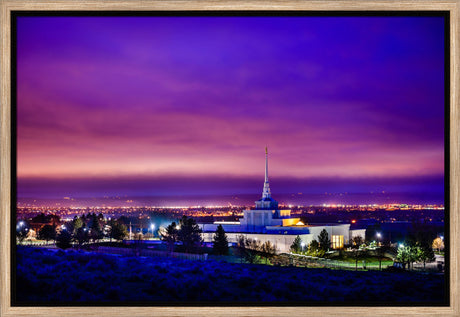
(282, 242)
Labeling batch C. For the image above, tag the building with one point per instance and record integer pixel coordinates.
(268, 223)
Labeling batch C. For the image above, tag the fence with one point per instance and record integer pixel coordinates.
(310, 261)
(38, 243)
(151, 253)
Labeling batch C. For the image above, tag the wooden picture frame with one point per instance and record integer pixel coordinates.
(7, 6)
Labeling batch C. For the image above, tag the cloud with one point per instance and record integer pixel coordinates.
(335, 97)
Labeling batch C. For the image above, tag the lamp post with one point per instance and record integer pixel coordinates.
(303, 246)
(152, 226)
(379, 235)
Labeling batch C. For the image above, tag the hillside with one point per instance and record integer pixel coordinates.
(61, 276)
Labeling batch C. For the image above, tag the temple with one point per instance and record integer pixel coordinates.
(269, 223)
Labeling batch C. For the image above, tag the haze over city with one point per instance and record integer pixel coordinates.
(184, 106)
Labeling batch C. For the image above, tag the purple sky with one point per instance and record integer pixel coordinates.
(123, 101)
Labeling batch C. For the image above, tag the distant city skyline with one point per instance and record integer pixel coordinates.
(167, 106)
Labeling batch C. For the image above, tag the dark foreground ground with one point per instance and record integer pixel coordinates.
(61, 276)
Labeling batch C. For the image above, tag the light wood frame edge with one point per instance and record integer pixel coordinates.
(6, 6)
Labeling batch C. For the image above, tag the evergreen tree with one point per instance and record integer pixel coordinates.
(220, 245)
(313, 248)
(95, 228)
(63, 239)
(323, 240)
(118, 231)
(77, 224)
(169, 235)
(82, 235)
(296, 246)
(189, 234)
(48, 232)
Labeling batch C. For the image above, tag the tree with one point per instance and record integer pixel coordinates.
(408, 254)
(313, 248)
(82, 236)
(77, 224)
(426, 254)
(403, 255)
(220, 242)
(189, 234)
(169, 235)
(46, 219)
(438, 244)
(414, 254)
(95, 226)
(268, 251)
(240, 247)
(422, 232)
(63, 240)
(118, 231)
(380, 254)
(22, 229)
(48, 232)
(356, 242)
(357, 254)
(296, 246)
(250, 249)
(67, 225)
(323, 240)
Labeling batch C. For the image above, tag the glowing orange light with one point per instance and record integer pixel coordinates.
(353, 221)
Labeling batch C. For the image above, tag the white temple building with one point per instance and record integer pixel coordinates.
(268, 223)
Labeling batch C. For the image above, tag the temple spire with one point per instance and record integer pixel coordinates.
(266, 192)
(266, 165)
(267, 202)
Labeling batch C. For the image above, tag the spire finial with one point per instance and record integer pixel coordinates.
(266, 191)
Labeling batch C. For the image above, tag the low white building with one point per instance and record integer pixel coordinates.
(268, 223)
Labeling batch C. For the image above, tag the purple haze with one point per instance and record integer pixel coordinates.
(185, 105)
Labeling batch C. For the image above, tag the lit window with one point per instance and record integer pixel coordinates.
(337, 242)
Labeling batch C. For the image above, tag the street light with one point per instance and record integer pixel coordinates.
(152, 226)
(302, 245)
(378, 237)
